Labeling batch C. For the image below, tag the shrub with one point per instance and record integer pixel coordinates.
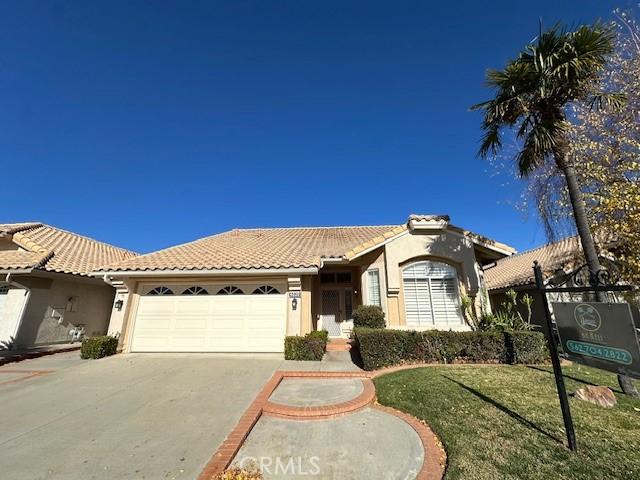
(384, 348)
(369, 316)
(98, 347)
(239, 474)
(527, 347)
(310, 347)
(320, 335)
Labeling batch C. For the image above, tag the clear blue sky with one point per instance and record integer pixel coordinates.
(146, 124)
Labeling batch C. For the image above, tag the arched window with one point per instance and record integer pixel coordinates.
(230, 290)
(431, 296)
(161, 291)
(266, 290)
(195, 290)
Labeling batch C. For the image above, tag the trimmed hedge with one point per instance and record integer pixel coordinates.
(384, 348)
(98, 347)
(310, 347)
(370, 316)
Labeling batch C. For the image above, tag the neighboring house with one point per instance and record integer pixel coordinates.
(556, 259)
(244, 290)
(45, 287)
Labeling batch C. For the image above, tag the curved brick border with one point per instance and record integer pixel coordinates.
(434, 454)
(293, 412)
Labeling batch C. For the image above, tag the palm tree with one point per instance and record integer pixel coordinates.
(531, 98)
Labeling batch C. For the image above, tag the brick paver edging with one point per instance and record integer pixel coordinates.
(293, 412)
(435, 456)
(432, 467)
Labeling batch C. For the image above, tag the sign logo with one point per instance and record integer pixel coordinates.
(587, 317)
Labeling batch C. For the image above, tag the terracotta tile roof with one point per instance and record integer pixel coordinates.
(9, 228)
(52, 249)
(257, 248)
(517, 269)
(21, 259)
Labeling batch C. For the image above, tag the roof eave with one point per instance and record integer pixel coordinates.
(206, 272)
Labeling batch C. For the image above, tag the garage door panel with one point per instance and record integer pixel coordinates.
(230, 323)
(156, 306)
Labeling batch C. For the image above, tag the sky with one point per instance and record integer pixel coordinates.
(147, 124)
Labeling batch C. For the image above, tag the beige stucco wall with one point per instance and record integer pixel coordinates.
(306, 320)
(49, 313)
(117, 316)
(14, 301)
(448, 246)
(7, 244)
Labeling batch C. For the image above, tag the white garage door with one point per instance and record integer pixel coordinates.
(210, 323)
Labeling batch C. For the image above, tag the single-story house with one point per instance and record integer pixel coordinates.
(45, 288)
(245, 289)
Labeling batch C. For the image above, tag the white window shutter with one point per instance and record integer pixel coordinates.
(431, 295)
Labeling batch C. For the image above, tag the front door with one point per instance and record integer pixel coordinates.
(337, 306)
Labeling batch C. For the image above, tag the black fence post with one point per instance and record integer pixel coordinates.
(555, 361)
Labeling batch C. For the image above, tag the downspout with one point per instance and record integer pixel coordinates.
(23, 310)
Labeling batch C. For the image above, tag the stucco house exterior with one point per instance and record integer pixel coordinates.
(245, 289)
(45, 287)
(515, 272)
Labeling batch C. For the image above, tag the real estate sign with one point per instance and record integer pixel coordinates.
(601, 335)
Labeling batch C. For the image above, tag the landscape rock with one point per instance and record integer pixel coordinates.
(602, 396)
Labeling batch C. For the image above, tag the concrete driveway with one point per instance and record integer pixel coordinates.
(151, 416)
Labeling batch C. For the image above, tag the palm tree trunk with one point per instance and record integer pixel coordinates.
(582, 224)
(589, 248)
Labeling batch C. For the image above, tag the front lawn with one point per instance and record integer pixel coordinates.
(501, 422)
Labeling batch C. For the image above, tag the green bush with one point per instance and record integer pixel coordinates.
(320, 335)
(98, 347)
(310, 347)
(527, 347)
(369, 316)
(384, 348)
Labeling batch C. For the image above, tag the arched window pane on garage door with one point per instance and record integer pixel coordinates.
(161, 291)
(230, 290)
(431, 296)
(266, 290)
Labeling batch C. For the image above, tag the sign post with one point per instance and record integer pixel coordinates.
(557, 368)
(602, 335)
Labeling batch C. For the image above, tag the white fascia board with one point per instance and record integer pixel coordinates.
(211, 272)
(333, 261)
(16, 271)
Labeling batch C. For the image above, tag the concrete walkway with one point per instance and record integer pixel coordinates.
(365, 445)
(323, 425)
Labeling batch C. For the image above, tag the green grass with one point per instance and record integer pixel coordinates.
(501, 422)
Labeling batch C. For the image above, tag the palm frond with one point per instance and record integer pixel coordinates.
(607, 101)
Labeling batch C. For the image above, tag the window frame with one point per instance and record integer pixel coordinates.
(429, 279)
(369, 273)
